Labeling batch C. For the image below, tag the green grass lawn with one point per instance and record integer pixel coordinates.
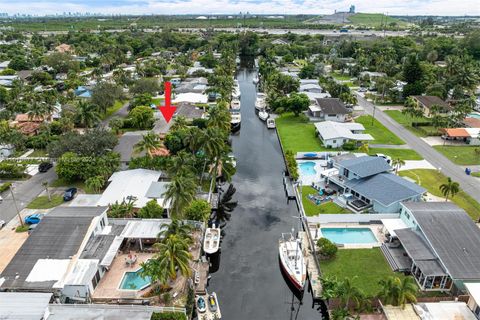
(311, 209)
(374, 19)
(476, 174)
(42, 202)
(462, 155)
(296, 135)
(158, 101)
(432, 179)
(404, 154)
(366, 267)
(39, 153)
(341, 77)
(406, 121)
(378, 131)
(116, 106)
(59, 183)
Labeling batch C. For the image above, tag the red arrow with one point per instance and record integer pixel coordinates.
(167, 110)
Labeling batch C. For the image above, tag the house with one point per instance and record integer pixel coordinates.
(310, 87)
(63, 48)
(366, 182)
(4, 65)
(61, 76)
(138, 185)
(328, 109)
(335, 134)
(440, 245)
(83, 92)
(426, 103)
(312, 96)
(7, 81)
(282, 42)
(444, 310)
(473, 290)
(372, 75)
(470, 136)
(471, 122)
(6, 150)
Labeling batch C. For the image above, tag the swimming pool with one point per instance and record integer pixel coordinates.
(475, 115)
(349, 235)
(307, 168)
(133, 281)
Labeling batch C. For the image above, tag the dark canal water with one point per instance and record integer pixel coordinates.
(249, 283)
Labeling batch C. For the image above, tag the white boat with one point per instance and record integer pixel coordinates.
(236, 90)
(211, 243)
(256, 80)
(292, 260)
(270, 123)
(235, 121)
(263, 115)
(261, 101)
(235, 104)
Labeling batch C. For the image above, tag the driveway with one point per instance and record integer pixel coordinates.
(469, 184)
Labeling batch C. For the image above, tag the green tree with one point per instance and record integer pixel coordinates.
(349, 292)
(397, 163)
(86, 114)
(326, 248)
(172, 255)
(412, 108)
(145, 85)
(124, 209)
(407, 290)
(198, 210)
(297, 103)
(450, 188)
(150, 142)
(151, 210)
(181, 192)
(95, 183)
(364, 148)
(104, 95)
(141, 117)
(61, 62)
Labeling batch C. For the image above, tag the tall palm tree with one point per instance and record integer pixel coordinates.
(149, 143)
(182, 164)
(219, 117)
(397, 163)
(407, 290)
(87, 114)
(388, 292)
(181, 192)
(179, 123)
(172, 254)
(176, 227)
(349, 292)
(193, 139)
(450, 188)
(37, 110)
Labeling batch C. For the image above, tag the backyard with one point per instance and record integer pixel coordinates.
(432, 179)
(366, 267)
(462, 155)
(297, 135)
(381, 134)
(311, 209)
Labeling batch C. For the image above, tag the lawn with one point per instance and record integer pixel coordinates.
(432, 179)
(59, 183)
(366, 267)
(404, 154)
(111, 110)
(39, 153)
(42, 202)
(311, 209)
(378, 131)
(341, 77)
(406, 121)
(462, 155)
(297, 135)
(374, 19)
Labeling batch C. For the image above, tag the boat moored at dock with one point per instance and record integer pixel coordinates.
(292, 260)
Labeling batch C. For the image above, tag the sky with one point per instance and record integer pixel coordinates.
(392, 7)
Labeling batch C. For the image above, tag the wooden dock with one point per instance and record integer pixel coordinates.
(313, 274)
(289, 189)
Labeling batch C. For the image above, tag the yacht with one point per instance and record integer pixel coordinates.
(236, 120)
(235, 104)
(236, 90)
(211, 242)
(260, 102)
(292, 260)
(263, 115)
(256, 80)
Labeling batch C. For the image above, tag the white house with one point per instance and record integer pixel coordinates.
(328, 109)
(473, 290)
(335, 134)
(6, 150)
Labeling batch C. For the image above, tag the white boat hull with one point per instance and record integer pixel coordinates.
(263, 115)
(292, 262)
(211, 242)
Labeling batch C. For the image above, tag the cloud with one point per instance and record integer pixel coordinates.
(399, 7)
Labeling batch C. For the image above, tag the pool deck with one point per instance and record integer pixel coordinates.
(375, 228)
(307, 180)
(109, 286)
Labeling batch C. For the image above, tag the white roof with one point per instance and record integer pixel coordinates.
(129, 183)
(83, 272)
(23, 305)
(4, 64)
(393, 224)
(143, 229)
(474, 290)
(314, 108)
(446, 311)
(48, 270)
(473, 132)
(313, 96)
(308, 86)
(112, 252)
(333, 130)
(308, 81)
(191, 97)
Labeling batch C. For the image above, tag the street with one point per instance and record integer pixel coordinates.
(469, 184)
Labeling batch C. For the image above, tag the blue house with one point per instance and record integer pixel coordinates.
(367, 184)
(83, 92)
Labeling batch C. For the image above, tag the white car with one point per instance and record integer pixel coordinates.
(1, 199)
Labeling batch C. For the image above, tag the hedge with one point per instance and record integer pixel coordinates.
(168, 316)
(5, 186)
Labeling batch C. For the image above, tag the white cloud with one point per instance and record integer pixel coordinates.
(399, 7)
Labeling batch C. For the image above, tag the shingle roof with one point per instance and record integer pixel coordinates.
(428, 101)
(415, 245)
(453, 236)
(365, 166)
(385, 188)
(332, 106)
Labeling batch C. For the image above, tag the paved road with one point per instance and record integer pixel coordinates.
(122, 113)
(24, 191)
(469, 184)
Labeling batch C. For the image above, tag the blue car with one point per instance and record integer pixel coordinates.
(33, 218)
(69, 194)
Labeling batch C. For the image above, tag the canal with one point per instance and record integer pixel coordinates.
(249, 283)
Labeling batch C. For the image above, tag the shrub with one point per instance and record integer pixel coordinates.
(168, 316)
(151, 210)
(349, 146)
(23, 228)
(198, 210)
(5, 186)
(326, 248)
(291, 164)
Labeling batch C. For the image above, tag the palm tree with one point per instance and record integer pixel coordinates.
(407, 290)
(36, 111)
(219, 117)
(87, 114)
(45, 185)
(179, 123)
(397, 164)
(450, 188)
(181, 192)
(149, 143)
(226, 205)
(175, 227)
(95, 183)
(411, 108)
(193, 139)
(172, 254)
(182, 164)
(349, 292)
(388, 292)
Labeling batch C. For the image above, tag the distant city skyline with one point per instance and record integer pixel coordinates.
(399, 7)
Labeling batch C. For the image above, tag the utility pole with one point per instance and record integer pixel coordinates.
(16, 207)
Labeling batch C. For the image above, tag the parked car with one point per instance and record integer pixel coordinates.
(2, 224)
(1, 199)
(33, 218)
(45, 166)
(69, 194)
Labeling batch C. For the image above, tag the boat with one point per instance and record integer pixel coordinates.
(235, 104)
(211, 243)
(263, 115)
(260, 102)
(292, 260)
(212, 302)
(235, 121)
(270, 123)
(201, 304)
(236, 90)
(256, 80)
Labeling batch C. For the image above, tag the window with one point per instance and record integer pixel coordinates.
(334, 141)
(96, 280)
(407, 216)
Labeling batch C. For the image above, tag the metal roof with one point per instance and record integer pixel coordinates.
(453, 236)
(415, 245)
(431, 267)
(385, 188)
(99, 311)
(143, 229)
(333, 130)
(23, 305)
(474, 291)
(83, 272)
(365, 166)
(157, 189)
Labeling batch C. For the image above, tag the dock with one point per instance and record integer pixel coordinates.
(289, 189)
(313, 274)
(208, 314)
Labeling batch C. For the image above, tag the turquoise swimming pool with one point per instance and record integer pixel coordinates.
(133, 281)
(349, 235)
(475, 115)
(307, 168)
